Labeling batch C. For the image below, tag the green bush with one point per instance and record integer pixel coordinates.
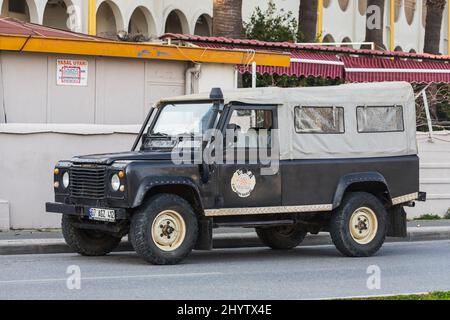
(428, 217)
(272, 25)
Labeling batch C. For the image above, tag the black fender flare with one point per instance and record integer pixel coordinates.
(152, 182)
(352, 178)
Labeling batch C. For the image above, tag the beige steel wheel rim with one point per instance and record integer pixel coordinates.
(168, 230)
(363, 225)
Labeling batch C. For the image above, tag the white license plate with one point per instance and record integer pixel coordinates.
(102, 215)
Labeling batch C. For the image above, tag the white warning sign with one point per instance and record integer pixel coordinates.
(71, 72)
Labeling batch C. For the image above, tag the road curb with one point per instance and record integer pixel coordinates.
(221, 241)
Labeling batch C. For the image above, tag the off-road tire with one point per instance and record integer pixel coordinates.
(340, 221)
(278, 239)
(141, 229)
(87, 242)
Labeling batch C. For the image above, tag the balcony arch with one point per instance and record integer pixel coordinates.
(328, 39)
(203, 25)
(61, 14)
(142, 22)
(109, 20)
(24, 10)
(176, 22)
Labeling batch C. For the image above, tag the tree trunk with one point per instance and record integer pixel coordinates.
(307, 20)
(375, 34)
(227, 18)
(435, 10)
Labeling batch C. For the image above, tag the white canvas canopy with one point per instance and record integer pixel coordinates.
(350, 143)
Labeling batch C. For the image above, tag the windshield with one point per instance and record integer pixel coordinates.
(183, 119)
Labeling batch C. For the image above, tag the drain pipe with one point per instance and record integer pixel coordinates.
(190, 73)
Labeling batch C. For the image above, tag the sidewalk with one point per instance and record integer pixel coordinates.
(40, 242)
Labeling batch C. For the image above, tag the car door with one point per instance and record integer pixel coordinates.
(245, 179)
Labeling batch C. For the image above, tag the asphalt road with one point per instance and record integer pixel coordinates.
(314, 272)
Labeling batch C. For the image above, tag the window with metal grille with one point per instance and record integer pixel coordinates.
(319, 120)
(380, 119)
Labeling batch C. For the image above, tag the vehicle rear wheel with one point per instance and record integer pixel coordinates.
(358, 226)
(87, 242)
(165, 230)
(281, 238)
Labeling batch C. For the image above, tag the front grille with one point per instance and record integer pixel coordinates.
(88, 182)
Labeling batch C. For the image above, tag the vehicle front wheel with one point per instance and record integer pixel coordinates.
(87, 242)
(165, 230)
(281, 238)
(358, 226)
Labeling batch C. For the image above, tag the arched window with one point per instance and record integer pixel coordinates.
(203, 25)
(347, 40)
(328, 39)
(176, 22)
(109, 20)
(142, 23)
(56, 15)
(17, 9)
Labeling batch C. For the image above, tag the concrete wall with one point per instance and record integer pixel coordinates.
(118, 91)
(29, 153)
(27, 158)
(434, 175)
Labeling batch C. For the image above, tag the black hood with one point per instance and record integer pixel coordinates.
(109, 158)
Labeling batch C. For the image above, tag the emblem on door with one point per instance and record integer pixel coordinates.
(243, 183)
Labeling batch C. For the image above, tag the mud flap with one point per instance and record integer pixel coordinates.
(397, 223)
(205, 230)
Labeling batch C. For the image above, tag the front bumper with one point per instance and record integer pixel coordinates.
(80, 211)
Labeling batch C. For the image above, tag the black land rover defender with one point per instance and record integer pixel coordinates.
(287, 162)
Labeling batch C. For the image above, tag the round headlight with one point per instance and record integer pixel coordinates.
(65, 180)
(115, 182)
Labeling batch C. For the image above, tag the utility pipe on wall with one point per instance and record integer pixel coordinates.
(190, 73)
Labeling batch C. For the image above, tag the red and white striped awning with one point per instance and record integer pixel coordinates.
(305, 64)
(351, 65)
(364, 69)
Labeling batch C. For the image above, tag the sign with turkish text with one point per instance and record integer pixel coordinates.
(71, 72)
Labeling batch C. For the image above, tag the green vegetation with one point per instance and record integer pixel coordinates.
(272, 25)
(428, 217)
(428, 296)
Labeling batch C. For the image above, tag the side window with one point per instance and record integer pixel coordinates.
(248, 125)
(319, 120)
(380, 119)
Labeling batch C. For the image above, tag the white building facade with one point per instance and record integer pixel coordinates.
(343, 20)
